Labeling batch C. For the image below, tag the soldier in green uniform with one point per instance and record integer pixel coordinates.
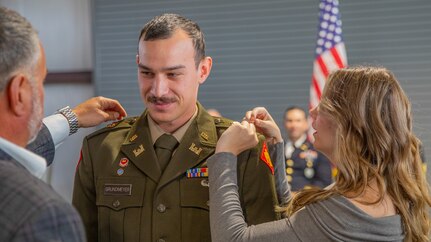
(145, 178)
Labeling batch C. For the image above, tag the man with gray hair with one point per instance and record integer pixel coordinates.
(30, 210)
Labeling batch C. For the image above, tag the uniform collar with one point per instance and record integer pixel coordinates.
(298, 143)
(35, 164)
(290, 147)
(206, 128)
(156, 131)
(197, 144)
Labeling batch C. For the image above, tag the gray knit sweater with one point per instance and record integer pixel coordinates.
(333, 219)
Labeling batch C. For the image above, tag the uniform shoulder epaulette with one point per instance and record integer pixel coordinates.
(122, 124)
(221, 122)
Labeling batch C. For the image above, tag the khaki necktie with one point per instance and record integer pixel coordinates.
(164, 146)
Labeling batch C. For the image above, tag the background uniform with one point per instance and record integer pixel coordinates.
(307, 167)
(122, 194)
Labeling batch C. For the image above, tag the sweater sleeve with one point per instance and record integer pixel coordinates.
(226, 216)
(283, 189)
(332, 219)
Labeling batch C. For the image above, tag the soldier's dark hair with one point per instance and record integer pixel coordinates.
(295, 108)
(163, 26)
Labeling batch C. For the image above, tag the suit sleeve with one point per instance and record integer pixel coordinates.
(57, 221)
(257, 191)
(43, 145)
(84, 193)
(323, 176)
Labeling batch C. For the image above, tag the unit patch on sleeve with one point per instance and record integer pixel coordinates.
(265, 157)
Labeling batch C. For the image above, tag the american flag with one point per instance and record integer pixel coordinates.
(330, 52)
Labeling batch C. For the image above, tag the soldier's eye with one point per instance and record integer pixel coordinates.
(173, 74)
(146, 73)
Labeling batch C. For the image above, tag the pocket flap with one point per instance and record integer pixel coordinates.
(194, 192)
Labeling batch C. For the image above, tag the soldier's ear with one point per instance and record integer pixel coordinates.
(205, 69)
(137, 59)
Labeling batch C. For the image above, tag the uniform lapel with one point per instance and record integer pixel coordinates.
(197, 144)
(138, 147)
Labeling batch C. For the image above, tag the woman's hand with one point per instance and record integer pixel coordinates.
(237, 138)
(265, 124)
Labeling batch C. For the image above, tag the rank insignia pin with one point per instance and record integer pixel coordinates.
(112, 125)
(133, 138)
(205, 136)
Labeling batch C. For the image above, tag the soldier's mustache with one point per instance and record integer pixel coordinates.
(161, 100)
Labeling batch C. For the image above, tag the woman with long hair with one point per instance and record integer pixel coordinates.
(364, 126)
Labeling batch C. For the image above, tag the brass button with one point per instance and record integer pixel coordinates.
(116, 204)
(208, 203)
(289, 170)
(161, 240)
(289, 162)
(161, 208)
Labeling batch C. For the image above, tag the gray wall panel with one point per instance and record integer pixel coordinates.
(263, 50)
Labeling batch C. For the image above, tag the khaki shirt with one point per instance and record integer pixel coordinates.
(122, 195)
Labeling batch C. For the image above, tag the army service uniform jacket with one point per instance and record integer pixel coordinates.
(122, 195)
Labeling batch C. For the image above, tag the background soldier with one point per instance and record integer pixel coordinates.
(305, 166)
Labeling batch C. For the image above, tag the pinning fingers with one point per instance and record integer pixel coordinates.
(252, 127)
(248, 116)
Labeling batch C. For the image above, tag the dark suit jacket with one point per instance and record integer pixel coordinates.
(43, 145)
(30, 209)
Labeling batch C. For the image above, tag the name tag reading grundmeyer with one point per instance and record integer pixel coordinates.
(118, 189)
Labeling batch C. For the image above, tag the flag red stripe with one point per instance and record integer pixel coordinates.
(330, 51)
(337, 58)
(322, 66)
(317, 88)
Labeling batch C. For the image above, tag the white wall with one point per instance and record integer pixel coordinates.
(64, 28)
(62, 171)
